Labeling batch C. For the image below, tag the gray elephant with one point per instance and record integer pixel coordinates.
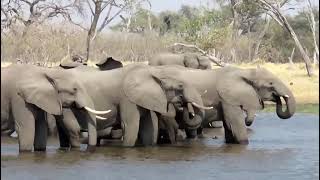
(190, 60)
(191, 119)
(105, 64)
(133, 94)
(28, 92)
(232, 91)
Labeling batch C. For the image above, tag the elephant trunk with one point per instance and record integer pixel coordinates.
(192, 123)
(250, 117)
(290, 106)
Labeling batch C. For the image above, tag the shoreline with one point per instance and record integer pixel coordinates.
(309, 108)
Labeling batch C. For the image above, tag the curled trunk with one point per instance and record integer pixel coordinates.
(193, 122)
(290, 106)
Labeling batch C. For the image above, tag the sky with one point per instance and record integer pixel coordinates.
(161, 5)
(174, 5)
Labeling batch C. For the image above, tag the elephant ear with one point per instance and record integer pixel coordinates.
(109, 63)
(239, 92)
(41, 93)
(144, 89)
(191, 94)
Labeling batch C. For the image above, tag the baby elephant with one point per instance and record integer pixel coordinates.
(190, 60)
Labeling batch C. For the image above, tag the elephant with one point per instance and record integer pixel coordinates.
(106, 64)
(192, 115)
(28, 92)
(235, 92)
(190, 60)
(134, 96)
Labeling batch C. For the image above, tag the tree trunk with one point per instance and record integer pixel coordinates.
(279, 18)
(261, 35)
(149, 21)
(250, 46)
(313, 30)
(93, 27)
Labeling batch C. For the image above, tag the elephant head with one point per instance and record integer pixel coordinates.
(196, 61)
(250, 88)
(204, 62)
(191, 60)
(109, 63)
(52, 90)
(155, 91)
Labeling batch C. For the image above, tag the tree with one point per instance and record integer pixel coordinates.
(39, 11)
(108, 10)
(312, 22)
(275, 13)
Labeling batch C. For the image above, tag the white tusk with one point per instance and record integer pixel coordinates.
(99, 117)
(205, 91)
(201, 107)
(210, 124)
(287, 96)
(255, 115)
(14, 134)
(95, 111)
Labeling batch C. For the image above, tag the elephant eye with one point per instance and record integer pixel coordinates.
(270, 83)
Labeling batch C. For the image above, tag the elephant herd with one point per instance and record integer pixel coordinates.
(141, 102)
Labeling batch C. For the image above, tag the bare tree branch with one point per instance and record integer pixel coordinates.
(281, 19)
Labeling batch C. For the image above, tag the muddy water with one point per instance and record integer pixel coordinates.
(278, 149)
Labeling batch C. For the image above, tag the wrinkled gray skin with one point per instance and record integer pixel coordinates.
(170, 123)
(132, 92)
(28, 92)
(105, 64)
(212, 118)
(190, 60)
(232, 90)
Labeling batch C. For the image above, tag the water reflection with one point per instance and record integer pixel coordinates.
(278, 149)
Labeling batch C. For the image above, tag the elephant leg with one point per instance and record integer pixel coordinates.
(250, 117)
(234, 124)
(130, 117)
(41, 131)
(172, 128)
(62, 133)
(72, 126)
(148, 129)
(24, 124)
(191, 133)
(200, 132)
(52, 127)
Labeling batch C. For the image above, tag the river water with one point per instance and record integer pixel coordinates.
(278, 149)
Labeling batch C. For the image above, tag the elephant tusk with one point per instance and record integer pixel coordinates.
(14, 134)
(201, 107)
(95, 111)
(99, 117)
(287, 96)
(191, 110)
(205, 91)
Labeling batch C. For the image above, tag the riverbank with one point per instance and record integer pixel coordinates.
(300, 108)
